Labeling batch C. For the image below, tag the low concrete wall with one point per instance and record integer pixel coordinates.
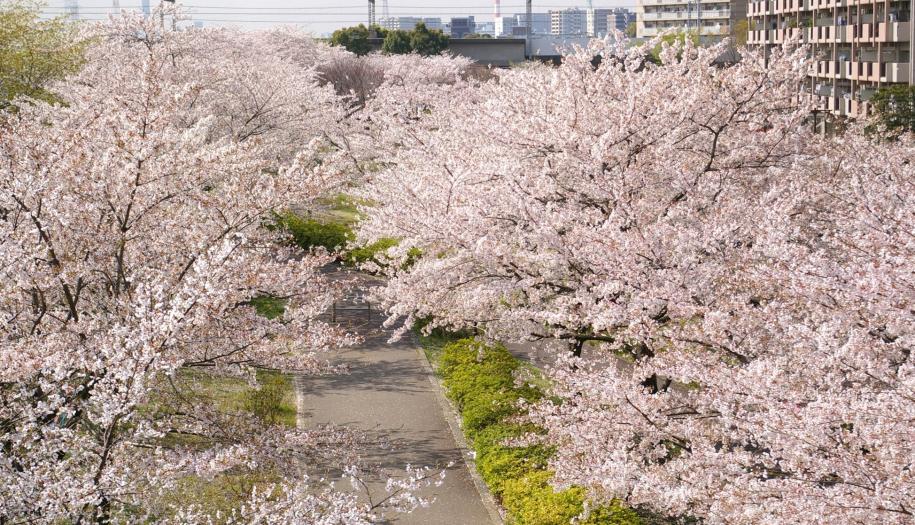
(496, 52)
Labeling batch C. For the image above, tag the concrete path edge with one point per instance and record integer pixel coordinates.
(453, 419)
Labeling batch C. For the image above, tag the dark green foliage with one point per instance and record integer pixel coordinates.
(397, 43)
(420, 40)
(310, 233)
(480, 380)
(355, 39)
(426, 42)
(894, 109)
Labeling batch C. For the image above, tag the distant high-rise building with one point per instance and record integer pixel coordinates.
(505, 25)
(570, 21)
(540, 23)
(408, 23)
(462, 26)
(486, 28)
(597, 22)
(144, 6)
(619, 19)
(71, 9)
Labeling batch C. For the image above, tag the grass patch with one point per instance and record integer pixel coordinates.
(219, 496)
(481, 381)
(340, 208)
(269, 307)
(273, 401)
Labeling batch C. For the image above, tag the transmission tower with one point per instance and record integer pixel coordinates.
(529, 22)
(384, 9)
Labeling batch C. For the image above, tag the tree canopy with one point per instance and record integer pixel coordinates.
(35, 52)
(894, 108)
(355, 39)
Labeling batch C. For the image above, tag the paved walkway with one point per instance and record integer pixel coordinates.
(390, 392)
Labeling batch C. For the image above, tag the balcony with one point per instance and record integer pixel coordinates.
(668, 15)
(713, 14)
(780, 36)
(826, 4)
(865, 71)
(896, 72)
(893, 31)
(759, 8)
(787, 6)
(830, 69)
(864, 32)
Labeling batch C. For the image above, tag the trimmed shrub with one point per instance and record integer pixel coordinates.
(530, 500)
(480, 380)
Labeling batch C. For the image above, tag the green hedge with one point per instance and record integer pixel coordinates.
(480, 380)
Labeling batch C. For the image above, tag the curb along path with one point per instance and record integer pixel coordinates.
(392, 393)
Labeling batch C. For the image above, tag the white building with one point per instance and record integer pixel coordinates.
(569, 22)
(486, 28)
(540, 23)
(408, 23)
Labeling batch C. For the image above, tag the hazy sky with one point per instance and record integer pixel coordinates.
(323, 16)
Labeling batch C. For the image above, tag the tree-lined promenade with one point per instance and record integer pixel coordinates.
(171, 200)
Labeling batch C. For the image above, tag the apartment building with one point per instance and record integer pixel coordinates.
(708, 18)
(569, 22)
(859, 46)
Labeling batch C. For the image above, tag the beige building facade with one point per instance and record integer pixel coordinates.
(859, 46)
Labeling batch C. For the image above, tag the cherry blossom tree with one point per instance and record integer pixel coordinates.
(754, 281)
(136, 231)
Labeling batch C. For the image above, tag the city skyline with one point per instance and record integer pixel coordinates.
(323, 17)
